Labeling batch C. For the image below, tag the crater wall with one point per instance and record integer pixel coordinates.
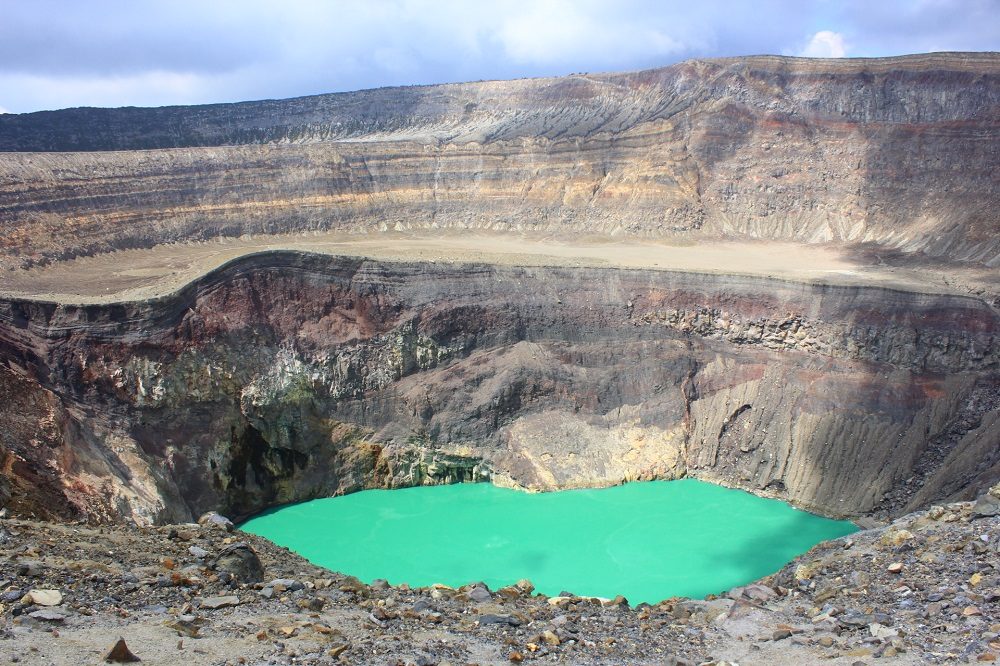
(286, 376)
(897, 153)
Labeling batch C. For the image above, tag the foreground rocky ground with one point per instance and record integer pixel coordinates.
(925, 589)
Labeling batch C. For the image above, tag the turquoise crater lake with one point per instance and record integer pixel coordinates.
(647, 541)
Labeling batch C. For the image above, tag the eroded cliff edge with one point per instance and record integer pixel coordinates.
(895, 153)
(284, 376)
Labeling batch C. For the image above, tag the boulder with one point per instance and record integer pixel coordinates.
(240, 560)
(214, 519)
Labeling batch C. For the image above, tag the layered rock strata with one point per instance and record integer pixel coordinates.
(286, 376)
(897, 153)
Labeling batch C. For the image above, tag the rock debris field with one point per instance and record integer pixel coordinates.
(923, 589)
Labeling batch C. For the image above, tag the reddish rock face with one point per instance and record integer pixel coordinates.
(287, 376)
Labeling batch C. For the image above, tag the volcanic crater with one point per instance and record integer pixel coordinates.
(776, 274)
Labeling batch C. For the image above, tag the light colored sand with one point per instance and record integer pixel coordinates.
(139, 274)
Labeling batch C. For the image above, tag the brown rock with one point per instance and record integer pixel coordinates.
(241, 561)
(337, 650)
(550, 638)
(120, 654)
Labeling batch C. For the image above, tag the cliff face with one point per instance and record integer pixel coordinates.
(287, 376)
(899, 152)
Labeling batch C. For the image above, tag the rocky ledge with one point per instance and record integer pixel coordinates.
(925, 589)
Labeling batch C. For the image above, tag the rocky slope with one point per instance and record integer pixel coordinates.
(898, 152)
(284, 376)
(925, 589)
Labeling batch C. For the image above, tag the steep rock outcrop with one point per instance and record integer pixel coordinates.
(285, 376)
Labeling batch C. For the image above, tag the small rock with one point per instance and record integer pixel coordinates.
(214, 603)
(759, 593)
(280, 585)
(182, 534)
(43, 597)
(186, 625)
(882, 632)
(479, 594)
(895, 537)
(550, 638)
(121, 654)
(853, 618)
(781, 634)
(806, 571)
(30, 569)
(214, 519)
(198, 552)
(895, 568)
(337, 650)
(490, 618)
(970, 611)
(673, 660)
(618, 601)
(525, 585)
(986, 506)
(314, 604)
(48, 615)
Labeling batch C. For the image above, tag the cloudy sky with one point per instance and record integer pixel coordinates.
(62, 53)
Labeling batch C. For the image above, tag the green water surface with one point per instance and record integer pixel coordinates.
(647, 541)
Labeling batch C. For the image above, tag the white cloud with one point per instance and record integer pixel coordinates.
(825, 44)
(3, 110)
(53, 54)
(151, 88)
(557, 31)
